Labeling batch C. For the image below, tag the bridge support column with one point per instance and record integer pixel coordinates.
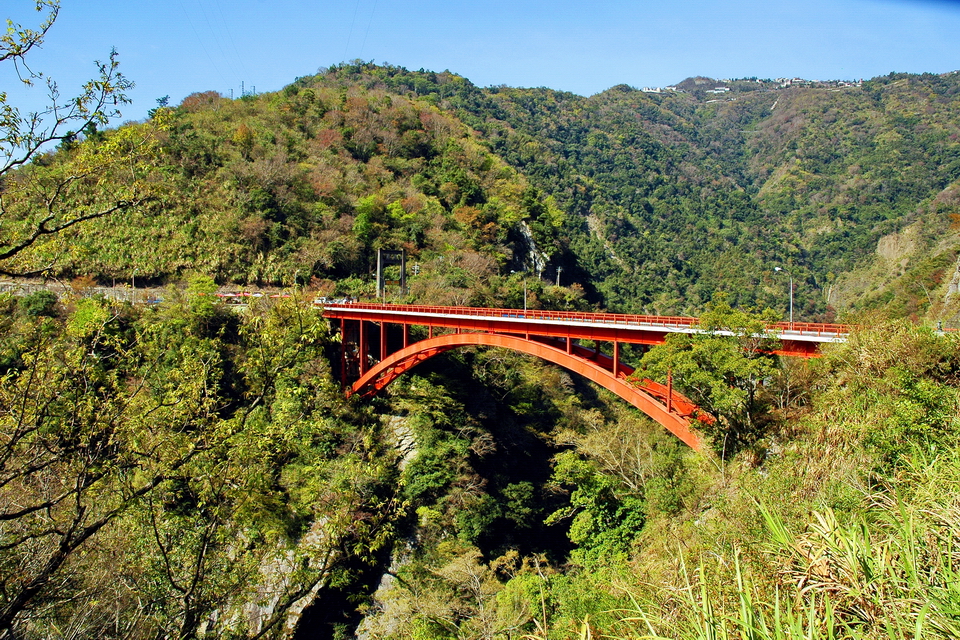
(383, 341)
(616, 358)
(569, 344)
(343, 352)
(406, 336)
(430, 332)
(362, 345)
(669, 391)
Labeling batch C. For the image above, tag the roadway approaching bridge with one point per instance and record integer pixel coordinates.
(377, 347)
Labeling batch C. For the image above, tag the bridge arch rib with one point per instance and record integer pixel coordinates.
(396, 364)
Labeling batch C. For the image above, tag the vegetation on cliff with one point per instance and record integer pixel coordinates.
(165, 468)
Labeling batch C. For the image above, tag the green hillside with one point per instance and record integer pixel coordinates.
(652, 202)
(303, 183)
(677, 195)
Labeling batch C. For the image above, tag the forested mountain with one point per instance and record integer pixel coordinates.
(652, 201)
(181, 470)
(303, 183)
(676, 195)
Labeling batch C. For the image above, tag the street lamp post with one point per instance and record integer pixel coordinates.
(791, 292)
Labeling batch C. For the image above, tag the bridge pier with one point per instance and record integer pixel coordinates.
(343, 351)
(362, 355)
(383, 340)
(669, 391)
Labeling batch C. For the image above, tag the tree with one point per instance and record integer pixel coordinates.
(243, 138)
(68, 447)
(722, 370)
(24, 136)
(206, 458)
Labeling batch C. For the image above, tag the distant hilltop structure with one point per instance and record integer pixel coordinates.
(704, 85)
(783, 83)
(660, 89)
(701, 84)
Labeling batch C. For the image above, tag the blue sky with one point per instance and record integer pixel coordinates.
(177, 47)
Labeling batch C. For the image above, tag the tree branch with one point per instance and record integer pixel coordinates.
(42, 228)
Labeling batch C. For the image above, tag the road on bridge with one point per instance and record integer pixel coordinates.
(797, 338)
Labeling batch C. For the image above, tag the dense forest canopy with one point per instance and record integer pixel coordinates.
(652, 202)
(181, 470)
(673, 196)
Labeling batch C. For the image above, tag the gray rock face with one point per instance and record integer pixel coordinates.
(403, 439)
(382, 621)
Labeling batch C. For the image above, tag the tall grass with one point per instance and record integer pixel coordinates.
(891, 571)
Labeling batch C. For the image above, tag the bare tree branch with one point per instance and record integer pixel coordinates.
(25, 135)
(42, 228)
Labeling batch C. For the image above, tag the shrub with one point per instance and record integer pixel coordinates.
(39, 303)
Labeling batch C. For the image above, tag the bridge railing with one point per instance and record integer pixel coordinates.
(530, 314)
(811, 328)
(676, 322)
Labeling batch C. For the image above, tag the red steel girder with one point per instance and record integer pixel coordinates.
(517, 326)
(381, 374)
(683, 405)
(551, 335)
(797, 339)
(805, 330)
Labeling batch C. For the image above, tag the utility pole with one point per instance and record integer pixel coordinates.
(387, 257)
(791, 292)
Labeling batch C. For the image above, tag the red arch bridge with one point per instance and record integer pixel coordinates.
(377, 347)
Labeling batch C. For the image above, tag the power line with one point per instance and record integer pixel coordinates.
(233, 44)
(206, 53)
(216, 39)
(350, 33)
(368, 28)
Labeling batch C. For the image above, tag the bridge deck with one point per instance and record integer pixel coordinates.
(551, 335)
(642, 329)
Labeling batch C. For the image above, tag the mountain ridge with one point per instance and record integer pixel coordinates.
(658, 200)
